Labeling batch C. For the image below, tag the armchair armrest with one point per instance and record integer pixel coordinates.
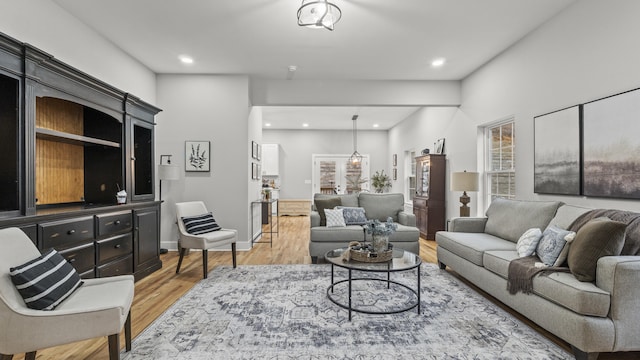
(620, 276)
(406, 219)
(468, 224)
(314, 218)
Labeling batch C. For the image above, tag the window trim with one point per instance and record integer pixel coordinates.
(487, 158)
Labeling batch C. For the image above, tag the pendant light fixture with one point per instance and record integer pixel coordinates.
(355, 158)
(318, 14)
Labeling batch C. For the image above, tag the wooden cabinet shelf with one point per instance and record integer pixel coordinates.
(48, 134)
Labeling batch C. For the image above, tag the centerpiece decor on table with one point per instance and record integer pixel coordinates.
(379, 250)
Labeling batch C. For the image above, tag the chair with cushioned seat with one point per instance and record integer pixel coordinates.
(99, 307)
(204, 241)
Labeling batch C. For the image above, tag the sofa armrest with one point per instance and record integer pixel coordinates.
(314, 218)
(620, 276)
(467, 224)
(406, 219)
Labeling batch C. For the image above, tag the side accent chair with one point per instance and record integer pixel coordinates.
(100, 307)
(204, 241)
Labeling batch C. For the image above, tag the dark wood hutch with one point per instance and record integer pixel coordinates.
(70, 142)
(429, 204)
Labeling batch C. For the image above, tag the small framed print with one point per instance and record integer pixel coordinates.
(440, 146)
(254, 171)
(259, 151)
(395, 159)
(395, 174)
(197, 156)
(254, 150)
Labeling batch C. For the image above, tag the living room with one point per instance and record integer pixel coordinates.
(582, 53)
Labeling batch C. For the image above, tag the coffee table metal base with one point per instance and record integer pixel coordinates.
(350, 280)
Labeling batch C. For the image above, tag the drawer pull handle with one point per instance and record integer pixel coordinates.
(118, 246)
(117, 222)
(71, 232)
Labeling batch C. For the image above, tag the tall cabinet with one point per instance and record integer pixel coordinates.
(70, 143)
(429, 200)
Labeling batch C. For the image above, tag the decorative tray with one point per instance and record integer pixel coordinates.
(369, 256)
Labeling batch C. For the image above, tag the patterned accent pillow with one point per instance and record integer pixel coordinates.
(353, 215)
(553, 241)
(526, 245)
(45, 281)
(335, 217)
(200, 224)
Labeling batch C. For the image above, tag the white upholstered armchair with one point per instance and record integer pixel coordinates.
(204, 241)
(100, 307)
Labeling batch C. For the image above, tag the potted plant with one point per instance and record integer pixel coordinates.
(381, 182)
(380, 233)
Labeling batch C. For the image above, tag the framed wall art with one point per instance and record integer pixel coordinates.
(557, 152)
(439, 145)
(254, 171)
(611, 146)
(395, 159)
(254, 150)
(197, 156)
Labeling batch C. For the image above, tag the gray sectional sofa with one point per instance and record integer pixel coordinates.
(594, 317)
(376, 206)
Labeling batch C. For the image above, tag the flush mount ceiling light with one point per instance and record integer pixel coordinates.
(318, 14)
(186, 59)
(438, 62)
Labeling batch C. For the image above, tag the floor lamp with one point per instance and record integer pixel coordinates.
(167, 172)
(464, 181)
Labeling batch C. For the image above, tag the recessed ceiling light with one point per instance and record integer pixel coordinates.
(186, 59)
(305, 125)
(376, 125)
(438, 62)
(267, 124)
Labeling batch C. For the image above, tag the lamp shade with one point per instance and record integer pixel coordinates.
(168, 172)
(318, 14)
(464, 181)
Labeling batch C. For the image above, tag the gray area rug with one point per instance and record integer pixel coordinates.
(282, 312)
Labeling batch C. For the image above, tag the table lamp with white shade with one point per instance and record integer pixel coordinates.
(464, 181)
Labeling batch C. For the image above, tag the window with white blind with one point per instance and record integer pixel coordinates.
(500, 161)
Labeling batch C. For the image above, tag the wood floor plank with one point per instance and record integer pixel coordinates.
(157, 292)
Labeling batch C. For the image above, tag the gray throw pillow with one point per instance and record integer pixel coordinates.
(597, 238)
(354, 215)
(328, 203)
(551, 244)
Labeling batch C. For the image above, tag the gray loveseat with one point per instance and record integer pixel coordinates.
(594, 317)
(376, 206)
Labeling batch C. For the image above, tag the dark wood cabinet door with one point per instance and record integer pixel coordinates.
(146, 241)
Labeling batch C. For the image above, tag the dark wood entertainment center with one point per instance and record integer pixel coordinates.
(70, 142)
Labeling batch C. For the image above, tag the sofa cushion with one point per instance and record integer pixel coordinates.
(354, 215)
(326, 203)
(382, 206)
(337, 234)
(566, 215)
(403, 233)
(561, 288)
(346, 199)
(471, 246)
(526, 245)
(552, 243)
(335, 217)
(597, 238)
(509, 219)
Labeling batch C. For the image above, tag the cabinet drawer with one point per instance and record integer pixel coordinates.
(65, 233)
(118, 267)
(419, 203)
(114, 247)
(81, 257)
(113, 223)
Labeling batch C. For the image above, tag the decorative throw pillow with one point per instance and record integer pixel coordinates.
(328, 203)
(528, 242)
(562, 258)
(200, 224)
(335, 217)
(353, 215)
(551, 244)
(45, 281)
(597, 238)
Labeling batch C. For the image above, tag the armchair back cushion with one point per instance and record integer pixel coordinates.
(381, 206)
(509, 219)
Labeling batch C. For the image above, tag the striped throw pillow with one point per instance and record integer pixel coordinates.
(200, 224)
(45, 281)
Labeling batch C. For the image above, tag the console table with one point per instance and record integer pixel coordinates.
(267, 214)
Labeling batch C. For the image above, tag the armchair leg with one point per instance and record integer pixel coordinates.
(30, 356)
(114, 347)
(182, 251)
(127, 332)
(233, 254)
(205, 262)
(6, 357)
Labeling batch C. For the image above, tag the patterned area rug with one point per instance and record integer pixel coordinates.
(282, 312)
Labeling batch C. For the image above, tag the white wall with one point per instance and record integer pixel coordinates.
(216, 109)
(585, 53)
(43, 24)
(297, 146)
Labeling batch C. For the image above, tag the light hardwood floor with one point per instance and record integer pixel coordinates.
(157, 292)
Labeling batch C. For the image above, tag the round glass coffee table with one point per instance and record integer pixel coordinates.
(401, 261)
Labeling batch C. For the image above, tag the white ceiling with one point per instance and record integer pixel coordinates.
(375, 40)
